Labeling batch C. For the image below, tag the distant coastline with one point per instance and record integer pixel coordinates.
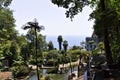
(72, 40)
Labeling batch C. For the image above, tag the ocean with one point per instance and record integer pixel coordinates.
(72, 40)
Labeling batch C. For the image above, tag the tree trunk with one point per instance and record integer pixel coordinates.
(60, 45)
(107, 47)
(36, 56)
(106, 41)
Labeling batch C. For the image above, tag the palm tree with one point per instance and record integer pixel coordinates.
(65, 45)
(60, 40)
(34, 25)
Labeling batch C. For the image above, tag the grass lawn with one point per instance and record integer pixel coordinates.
(56, 76)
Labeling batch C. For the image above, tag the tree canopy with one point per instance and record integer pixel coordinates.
(106, 14)
(5, 3)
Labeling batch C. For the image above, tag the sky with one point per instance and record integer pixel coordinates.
(51, 17)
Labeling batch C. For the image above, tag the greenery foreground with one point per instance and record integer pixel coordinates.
(20, 51)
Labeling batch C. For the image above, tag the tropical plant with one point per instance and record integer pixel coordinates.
(52, 57)
(65, 45)
(8, 34)
(5, 3)
(60, 40)
(84, 55)
(37, 28)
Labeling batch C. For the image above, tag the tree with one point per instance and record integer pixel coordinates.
(104, 14)
(5, 3)
(52, 58)
(7, 26)
(106, 11)
(65, 45)
(37, 28)
(106, 41)
(25, 52)
(60, 40)
(76, 47)
(73, 7)
(8, 34)
(15, 50)
(41, 43)
(50, 46)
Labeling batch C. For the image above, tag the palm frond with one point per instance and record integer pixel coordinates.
(39, 28)
(34, 25)
(31, 23)
(26, 27)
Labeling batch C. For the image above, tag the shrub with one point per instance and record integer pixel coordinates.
(52, 62)
(66, 59)
(20, 70)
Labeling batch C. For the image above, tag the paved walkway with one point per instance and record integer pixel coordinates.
(60, 65)
(68, 64)
(6, 75)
